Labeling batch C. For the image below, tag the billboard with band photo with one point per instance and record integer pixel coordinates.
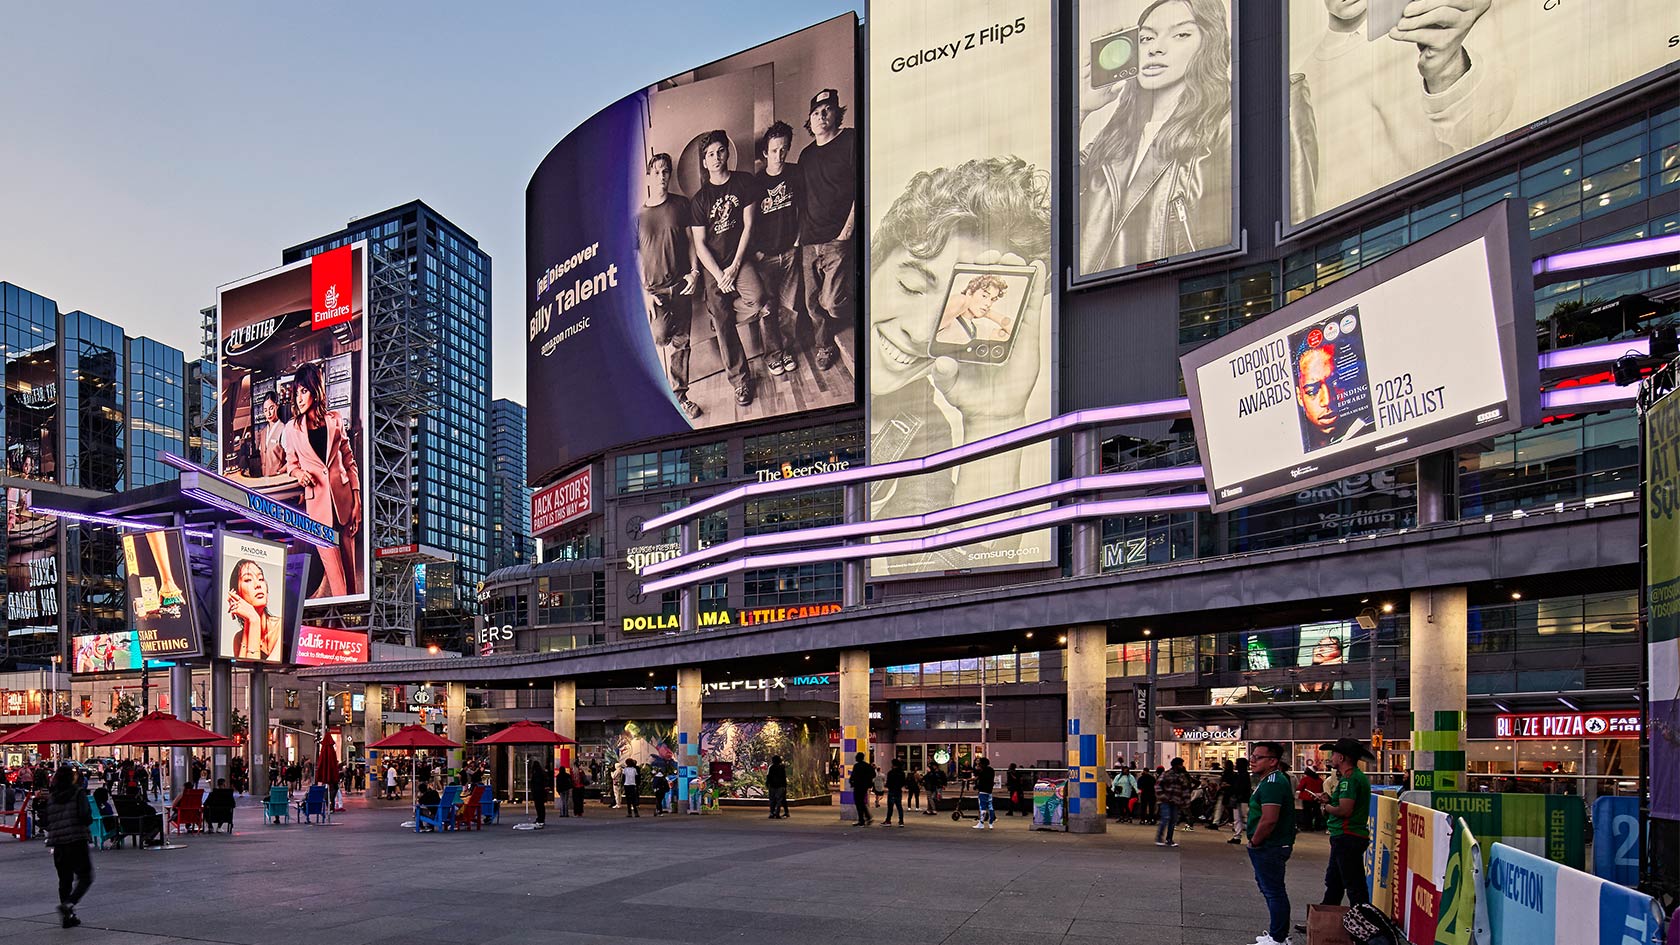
(960, 297)
(293, 406)
(690, 253)
(252, 613)
(1155, 133)
(1381, 91)
(1428, 348)
(161, 609)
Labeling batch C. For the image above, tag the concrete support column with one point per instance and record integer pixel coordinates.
(455, 726)
(180, 700)
(221, 714)
(1087, 535)
(854, 581)
(854, 721)
(257, 736)
(1440, 687)
(688, 597)
(565, 718)
(689, 689)
(373, 729)
(1086, 665)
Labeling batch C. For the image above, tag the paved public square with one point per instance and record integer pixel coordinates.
(733, 876)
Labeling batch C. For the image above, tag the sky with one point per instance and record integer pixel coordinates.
(150, 152)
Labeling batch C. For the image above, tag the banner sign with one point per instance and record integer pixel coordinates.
(1428, 348)
(1621, 724)
(328, 646)
(1552, 826)
(961, 300)
(567, 500)
(1616, 847)
(1661, 497)
(1534, 901)
(1382, 854)
(1425, 848)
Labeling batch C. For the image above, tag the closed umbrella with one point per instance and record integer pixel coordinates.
(327, 771)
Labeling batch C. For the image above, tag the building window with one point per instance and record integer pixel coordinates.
(665, 469)
(788, 512)
(571, 598)
(1211, 306)
(797, 584)
(773, 455)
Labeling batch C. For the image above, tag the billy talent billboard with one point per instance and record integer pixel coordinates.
(293, 408)
(691, 255)
(1428, 348)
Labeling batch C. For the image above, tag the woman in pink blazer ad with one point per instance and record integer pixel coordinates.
(319, 457)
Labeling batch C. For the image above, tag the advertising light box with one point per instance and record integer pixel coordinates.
(251, 575)
(160, 602)
(1419, 352)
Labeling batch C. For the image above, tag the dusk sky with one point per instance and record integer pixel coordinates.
(151, 152)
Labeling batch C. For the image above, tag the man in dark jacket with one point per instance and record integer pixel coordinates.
(985, 778)
(540, 781)
(563, 791)
(895, 792)
(218, 807)
(68, 817)
(934, 782)
(862, 779)
(775, 782)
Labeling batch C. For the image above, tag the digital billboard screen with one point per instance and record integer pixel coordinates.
(329, 646)
(960, 295)
(1428, 348)
(252, 618)
(293, 407)
(1380, 92)
(32, 577)
(1156, 148)
(161, 609)
(690, 253)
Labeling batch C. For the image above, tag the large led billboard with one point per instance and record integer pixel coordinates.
(161, 609)
(1423, 350)
(32, 578)
(960, 298)
(1380, 92)
(690, 253)
(292, 347)
(252, 616)
(1156, 147)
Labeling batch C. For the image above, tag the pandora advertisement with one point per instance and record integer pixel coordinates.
(1416, 353)
(691, 256)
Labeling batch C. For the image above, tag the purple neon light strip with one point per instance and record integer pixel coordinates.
(1596, 395)
(984, 507)
(961, 536)
(111, 521)
(210, 498)
(1594, 354)
(1020, 436)
(1605, 255)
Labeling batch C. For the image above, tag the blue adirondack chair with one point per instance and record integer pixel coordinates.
(314, 804)
(97, 828)
(493, 808)
(441, 817)
(278, 807)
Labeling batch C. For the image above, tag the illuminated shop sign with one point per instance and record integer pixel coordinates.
(1619, 724)
(725, 618)
(1209, 733)
(567, 500)
(788, 470)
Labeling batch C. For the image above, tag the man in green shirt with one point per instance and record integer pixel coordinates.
(1271, 836)
(1347, 812)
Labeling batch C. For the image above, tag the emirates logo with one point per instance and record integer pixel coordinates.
(332, 311)
(332, 297)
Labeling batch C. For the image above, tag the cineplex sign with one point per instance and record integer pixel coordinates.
(1620, 724)
(745, 617)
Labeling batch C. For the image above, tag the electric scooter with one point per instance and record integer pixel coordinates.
(962, 793)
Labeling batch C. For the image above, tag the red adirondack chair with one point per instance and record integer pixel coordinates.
(187, 813)
(471, 814)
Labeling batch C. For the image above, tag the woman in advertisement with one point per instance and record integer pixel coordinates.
(1155, 182)
(258, 634)
(319, 457)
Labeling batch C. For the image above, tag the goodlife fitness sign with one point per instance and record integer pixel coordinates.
(567, 500)
(1621, 724)
(325, 646)
(329, 288)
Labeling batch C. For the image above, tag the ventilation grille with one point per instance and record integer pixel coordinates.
(1612, 677)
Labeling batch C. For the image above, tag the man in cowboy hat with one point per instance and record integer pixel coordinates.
(1346, 818)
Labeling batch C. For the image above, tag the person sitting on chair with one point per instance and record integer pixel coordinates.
(140, 819)
(429, 801)
(218, 807)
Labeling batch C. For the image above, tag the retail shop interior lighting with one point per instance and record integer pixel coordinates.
(1387, 607)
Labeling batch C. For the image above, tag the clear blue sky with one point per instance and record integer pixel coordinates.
(150, 152)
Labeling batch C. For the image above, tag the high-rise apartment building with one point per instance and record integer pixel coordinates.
(450, 460)
(510, 500)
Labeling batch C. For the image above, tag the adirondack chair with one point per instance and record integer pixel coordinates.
(313, 805)
(277, 809)
(442, 816)
(471, 814)
(97, 828)
(491, 810)
(19, 827)
(187, 813)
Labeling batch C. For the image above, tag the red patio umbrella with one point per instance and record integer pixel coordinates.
(526, 732)
(57, 729)
(160, 729)
(411, 738)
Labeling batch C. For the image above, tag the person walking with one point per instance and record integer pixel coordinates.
(1012, 789)
(1346, 822)
(775, 782)
(632, 789)
(880, 787)
(563, 791)
(618, 785)
(1147, 780)
(390, 782)
(68, 817)
(985, 778)
(1271, 837)
(1307, 791)
(157, 780)
(934, 780)
(895, 792)
(1125, 788)
(580, 780)
(539, 779)
(913, 789)
(1173, 793)
(660, 786)
(862, 780)
(1222, 815)
(1243, 787)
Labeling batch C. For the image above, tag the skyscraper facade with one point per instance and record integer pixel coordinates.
(510, 500)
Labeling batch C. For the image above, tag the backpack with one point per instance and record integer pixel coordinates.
(1368, 925)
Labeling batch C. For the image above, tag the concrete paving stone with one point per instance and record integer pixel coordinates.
(1009, 919)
